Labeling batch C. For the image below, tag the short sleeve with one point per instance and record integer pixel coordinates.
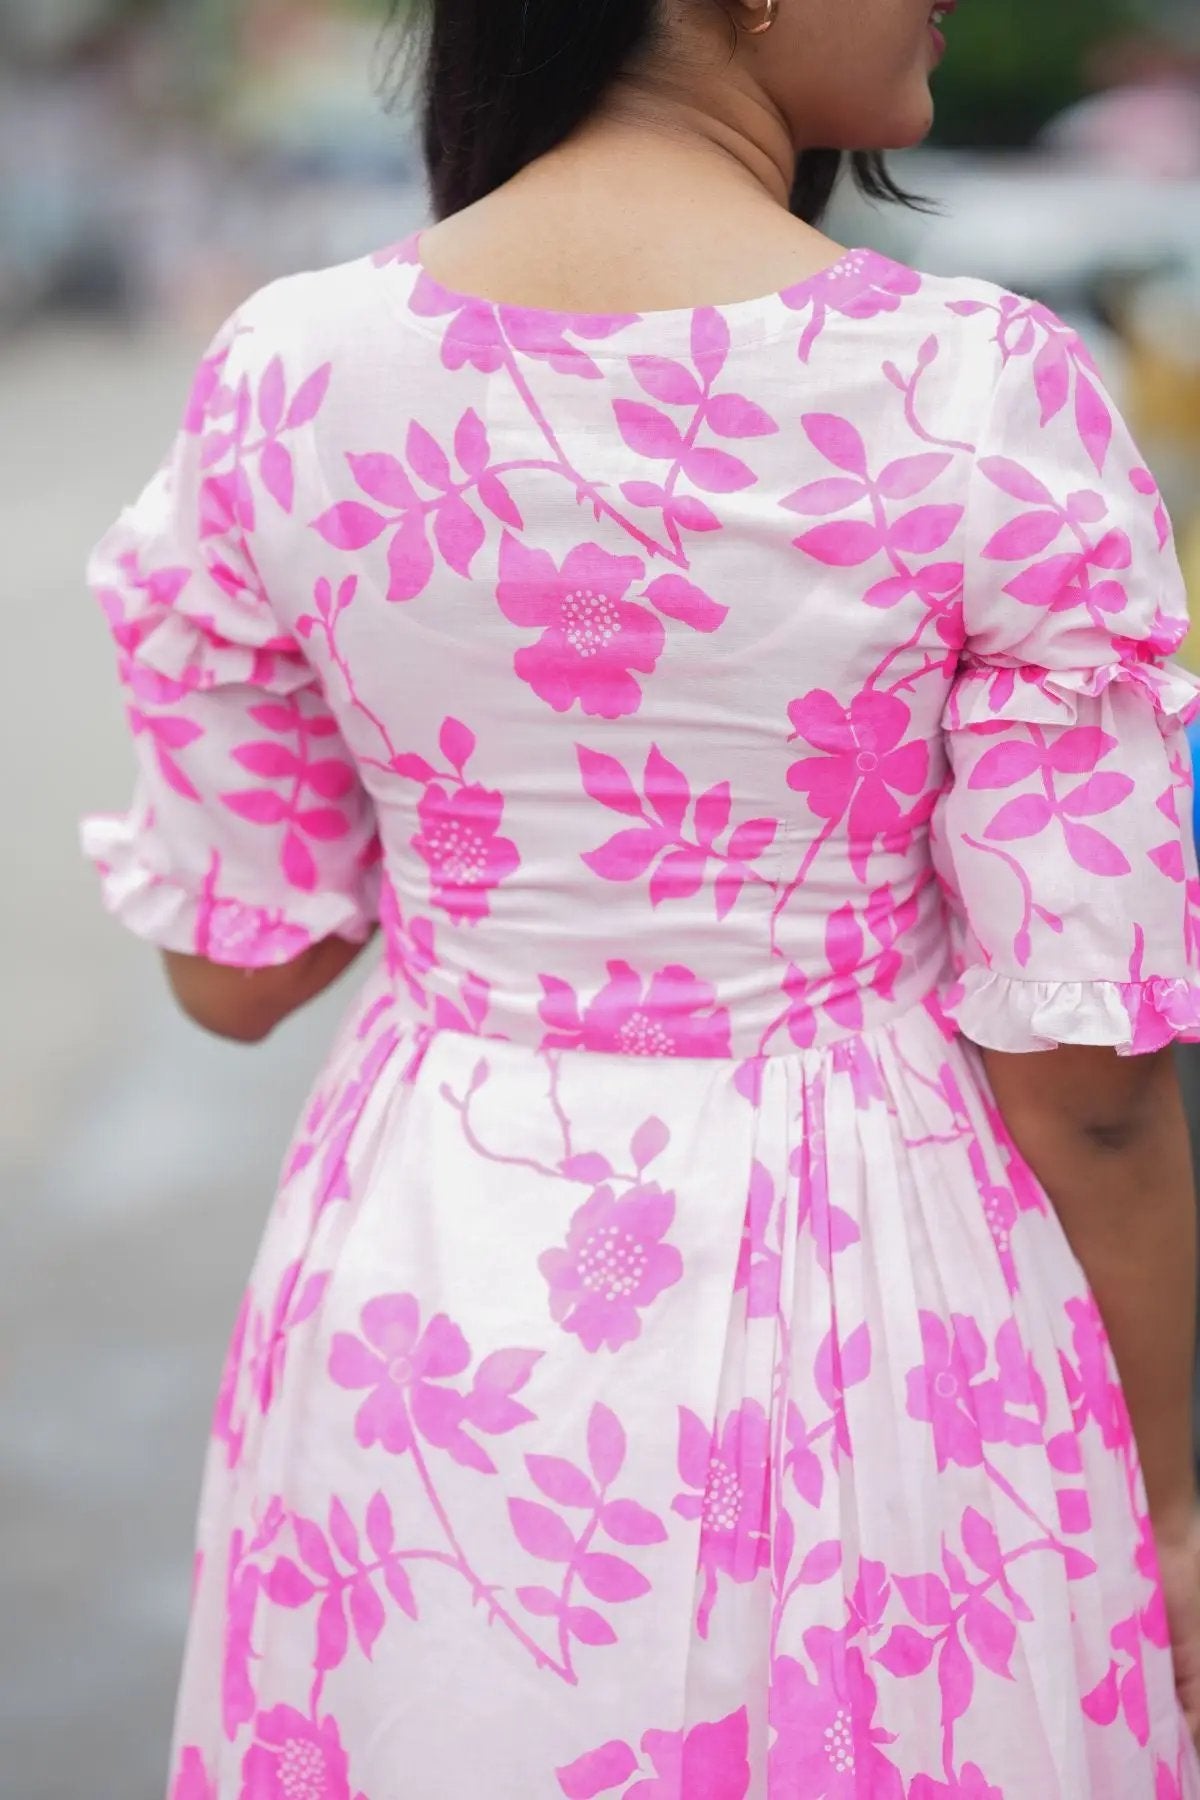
(1064, 835)
(250, 835)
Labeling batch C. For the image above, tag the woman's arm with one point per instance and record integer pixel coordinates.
(247, 1004)
(1107, 1138)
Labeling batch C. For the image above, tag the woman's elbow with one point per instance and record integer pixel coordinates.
(243, 1006)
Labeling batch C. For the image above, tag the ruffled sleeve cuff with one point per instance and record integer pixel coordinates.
(992, 692)
(204, 922)
(1131, 1017)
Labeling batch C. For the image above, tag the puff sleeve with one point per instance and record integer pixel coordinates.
(1064, 835)
(250, 834)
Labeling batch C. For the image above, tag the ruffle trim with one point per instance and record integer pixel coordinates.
(1131, 1017)
(991, 693)
(194, 654)
(165, 912)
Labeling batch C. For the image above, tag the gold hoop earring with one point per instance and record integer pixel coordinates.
(770, 14)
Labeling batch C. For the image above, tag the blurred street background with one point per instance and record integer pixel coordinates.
(158, 160)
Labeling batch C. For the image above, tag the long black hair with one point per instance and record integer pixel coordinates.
(501, 82)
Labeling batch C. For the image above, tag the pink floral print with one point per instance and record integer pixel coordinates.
(661, 1377)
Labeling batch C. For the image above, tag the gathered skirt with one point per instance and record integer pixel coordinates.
(678, 1430)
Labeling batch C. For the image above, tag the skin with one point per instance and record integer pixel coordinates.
(699, 143)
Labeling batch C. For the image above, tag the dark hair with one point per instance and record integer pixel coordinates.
(501, 82)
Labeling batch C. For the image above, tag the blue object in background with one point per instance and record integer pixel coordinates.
(1193, 735)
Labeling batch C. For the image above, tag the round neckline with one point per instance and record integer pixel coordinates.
(754, 320)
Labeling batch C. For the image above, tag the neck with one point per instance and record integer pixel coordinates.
(729, 125)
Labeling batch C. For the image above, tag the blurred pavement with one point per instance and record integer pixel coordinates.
(137, 1157)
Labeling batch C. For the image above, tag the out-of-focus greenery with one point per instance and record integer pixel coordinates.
(1014, 64)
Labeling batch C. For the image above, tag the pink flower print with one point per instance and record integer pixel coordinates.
(295, 1759)
(759, 1267)
(459, 840)
(673, 1014)
(592, 636)
(863, 762)
(971, 1784)
(861, 285)
(613, 1267)
(404, 1369)
(192, 1782)
(250, 936)
(939, 1392)
(999, 1210)
(710, 1762)
(728, 1474)
(1091, 1383)
(244, 1583)
(826, 1746)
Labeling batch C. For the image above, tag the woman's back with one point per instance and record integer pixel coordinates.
(765, 688)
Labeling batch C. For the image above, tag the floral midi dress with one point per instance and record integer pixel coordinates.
(661, 1375)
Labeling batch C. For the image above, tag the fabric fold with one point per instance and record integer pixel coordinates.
(172, 916)
(999, 1012)
(992, 692)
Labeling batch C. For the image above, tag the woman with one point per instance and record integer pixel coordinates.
(675, 672)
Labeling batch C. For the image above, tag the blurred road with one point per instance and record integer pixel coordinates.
(137, 1157)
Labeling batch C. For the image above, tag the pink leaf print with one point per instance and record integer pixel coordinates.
(1027, 535)
(749, 840)
(1093, 421)
(499, 502)
(733, 416)
(1006, 764)
(1051, 378)
(1093, 851)
(278, 473)
(380, 1528)
(427, 458)
(627, 1522)
(667, 789)
(1021, 818)
(843, 546)
(272, 392)
(410, 560)
(1077, 752)
(258, 805)
(366, 1615)
(286, 1585)
(956, 1679)
(192, 1781)
(1015, 480)
(837, 440)
(606, 780)
(822, 1562)
(684, 601)
(664, 379)
(926, 528)
(980, 1542)
(459, 534)
(692, 514)
(990, 1633)
(588, 1626)
(542, 1532)
(540, 1601)
(926, 1597)
(712, 812)
(647, 431)
(716, 471)
(598, 1771)
(299, 865)
(398, 1585)
(710, 341)
(1102, 1703)
(384, 478)
(606, 1444)
(906, 1652)
(457, 743)
(1098, 794)
(309, 397)
(471, 445)
(911, 475)
(679, 875)
(624, 857)
(268, 759)
(611, 1578)
(649, 1141)
(333, 1634)
(350, 525)
(560, 1481)
(834, 494)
